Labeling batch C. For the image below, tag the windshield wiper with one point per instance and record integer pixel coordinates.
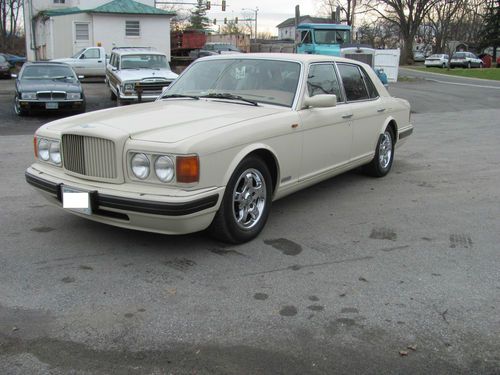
(61, 77)
(179, 96)
(229, 96)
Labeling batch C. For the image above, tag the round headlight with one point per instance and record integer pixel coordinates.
(43, 149)
(55, 152)
(164, 168)
(140, 166)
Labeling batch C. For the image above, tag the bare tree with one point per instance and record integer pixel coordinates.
(406, 15)
(10, 11)
(440, 20)
(380, 34)
(348, 9)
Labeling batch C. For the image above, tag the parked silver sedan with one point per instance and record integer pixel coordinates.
(437, 60)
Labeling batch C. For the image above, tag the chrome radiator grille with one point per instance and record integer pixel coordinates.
(89, 156)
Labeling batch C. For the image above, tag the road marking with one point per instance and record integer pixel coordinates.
(463, 84)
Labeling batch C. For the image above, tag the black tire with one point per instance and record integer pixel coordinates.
(444, 65)
(226, 227)
(381, 164)
(469, 65)
(18, 110)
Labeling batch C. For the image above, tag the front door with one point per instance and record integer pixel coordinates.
(327, 133)
(81, 36)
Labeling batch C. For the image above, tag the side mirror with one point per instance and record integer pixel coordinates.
(320, 101)
(13, 75)
(81, 77)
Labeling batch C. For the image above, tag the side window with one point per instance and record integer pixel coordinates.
(305, 37)
(354, 85)
(372, 91)
(323, 80)
(92, 53)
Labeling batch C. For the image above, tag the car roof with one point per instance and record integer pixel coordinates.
(136, 51)
(48, 63)
(302, 58)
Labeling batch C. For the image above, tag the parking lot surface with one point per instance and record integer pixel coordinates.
(353, 275)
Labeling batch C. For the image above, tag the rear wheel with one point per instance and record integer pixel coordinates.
(384, 155)
(468, 65)
(444, 65)
(247, 200)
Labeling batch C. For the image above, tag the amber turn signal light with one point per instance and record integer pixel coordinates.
(187, 169)
(35, 147)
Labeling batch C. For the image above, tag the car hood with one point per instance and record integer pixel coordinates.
(49, 85)
(65, 60)
(167, 121)
(146, 74)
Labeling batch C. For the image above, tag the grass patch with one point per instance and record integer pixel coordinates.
(484, 73)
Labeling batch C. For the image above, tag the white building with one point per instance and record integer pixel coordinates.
(286, 29)
(60, 28)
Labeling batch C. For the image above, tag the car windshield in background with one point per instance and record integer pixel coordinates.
(331, 36)
(144, 62)
(263, 81)
(47, 72)
(459, 55)
(2, 59)
(436, 56)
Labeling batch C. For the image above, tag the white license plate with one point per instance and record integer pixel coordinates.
(51, 105)
(76, 200)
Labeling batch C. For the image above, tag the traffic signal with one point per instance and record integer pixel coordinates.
(235, 19)
(223, 5)
(208, 5)
(225, 20)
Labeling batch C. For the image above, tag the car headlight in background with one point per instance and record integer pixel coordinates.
(128, 87)
(28, 95)
(164, 168)
(140, 166)
(73, 95)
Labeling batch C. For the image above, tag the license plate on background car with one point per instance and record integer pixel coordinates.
(51, 105)
(76, 200)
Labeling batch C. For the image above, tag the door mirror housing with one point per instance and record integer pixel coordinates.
(320, 101)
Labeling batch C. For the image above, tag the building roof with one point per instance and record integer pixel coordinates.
(291, 21)
(113, 7)
(130, 7)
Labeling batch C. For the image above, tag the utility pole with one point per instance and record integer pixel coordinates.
(256, 10)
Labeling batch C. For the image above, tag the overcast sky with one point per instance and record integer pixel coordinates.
(270, 14)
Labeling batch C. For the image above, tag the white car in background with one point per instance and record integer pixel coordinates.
(231, 135)
(437, 60)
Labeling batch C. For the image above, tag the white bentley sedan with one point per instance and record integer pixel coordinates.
(232, 134)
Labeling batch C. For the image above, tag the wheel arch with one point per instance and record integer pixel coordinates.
(266, 153)
(392, 124)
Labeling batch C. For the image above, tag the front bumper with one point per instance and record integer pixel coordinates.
(74, 105)
(152, 213)
(135, 97)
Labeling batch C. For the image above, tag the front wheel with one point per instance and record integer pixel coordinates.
(17, 108)
(246, 204)
(469, 65)
(384, 155)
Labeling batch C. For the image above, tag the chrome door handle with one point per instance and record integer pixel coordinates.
(381, 110)
(349, 115)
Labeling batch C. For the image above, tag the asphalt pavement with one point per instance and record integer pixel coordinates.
(356, 275)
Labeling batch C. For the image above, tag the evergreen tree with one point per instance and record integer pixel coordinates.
(491, 31)
(199, 19)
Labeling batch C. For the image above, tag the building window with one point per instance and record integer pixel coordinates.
(59, 1)
(132, 28)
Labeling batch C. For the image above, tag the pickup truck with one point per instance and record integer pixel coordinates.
(89, 62)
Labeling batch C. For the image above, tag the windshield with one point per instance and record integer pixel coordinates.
(459, 55)
(144, 62)
(78, 53)
(2, 59)
(263, 81)
(47, 72)
(331, 36)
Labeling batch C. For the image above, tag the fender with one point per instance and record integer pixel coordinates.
(386, 123)
(244, 152)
